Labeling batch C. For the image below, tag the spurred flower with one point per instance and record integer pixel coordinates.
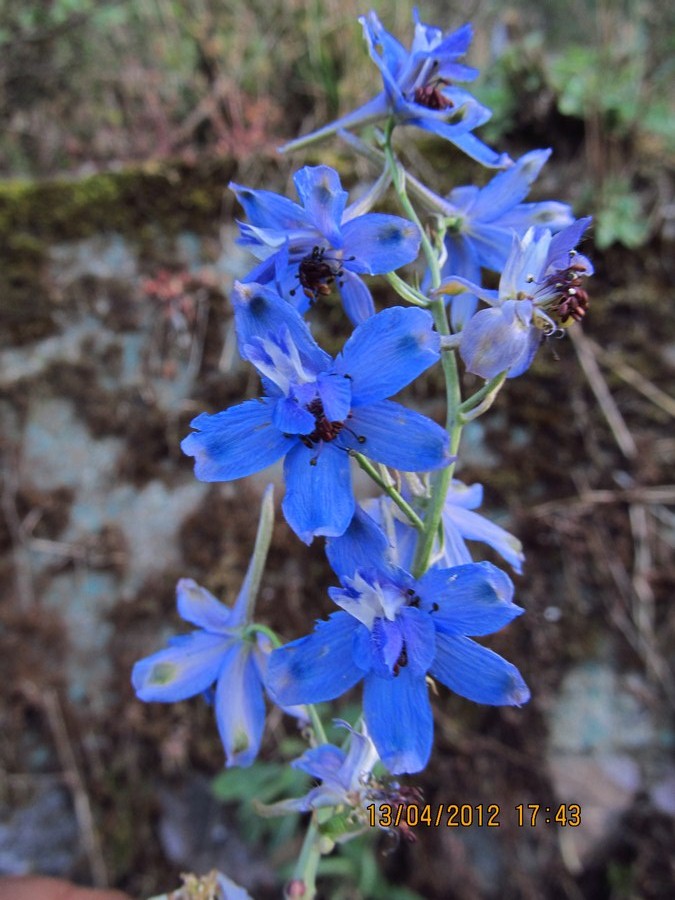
(392, 633)
(317, 409)
(219, 653)
(307, 249)
(480, 223)
(539, 290)
(419, 89)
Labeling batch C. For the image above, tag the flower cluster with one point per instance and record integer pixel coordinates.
(412, 599)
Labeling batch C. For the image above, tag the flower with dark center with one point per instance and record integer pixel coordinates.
(316, 410)
(419, 88)
(538, 291)
(321, 242)
(394, 632)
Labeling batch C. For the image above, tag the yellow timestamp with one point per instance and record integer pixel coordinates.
(529, 815)
(467, 815)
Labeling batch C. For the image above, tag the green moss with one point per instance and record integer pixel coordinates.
(137, 202)
(176, 195)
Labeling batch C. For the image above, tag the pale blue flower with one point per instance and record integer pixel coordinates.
(539, 290)
(420, 89)
(481, 222)
(220, 653)
(307, 248)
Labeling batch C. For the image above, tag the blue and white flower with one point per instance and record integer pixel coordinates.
(316, 409)
(480, 223)
(419, 89)
(539, 291)
(218, 653)
(394, 631)
(307, 248)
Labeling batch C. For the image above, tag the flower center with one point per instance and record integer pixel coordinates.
(430, 96)
(324, 430)
(571, 302)
(317, 272)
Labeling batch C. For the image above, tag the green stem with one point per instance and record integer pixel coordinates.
(403, 289)
(259, 556)
(389, 490)
(257, 628)
(479, 402)
(453, 424)
(308, 861)
(398, 177)
(317, 724)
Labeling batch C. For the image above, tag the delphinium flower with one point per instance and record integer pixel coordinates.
(222, 651)
(345, 776)
(316, 409)
(307, 248)
(393, 632)
(480, 223)
(419, 89)
(539, 291)
(216, 653)
(460, 524)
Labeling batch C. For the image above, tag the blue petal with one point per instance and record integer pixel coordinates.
(188, 667)
(324, 200)
(335, 392)
(475, 527)
(500, 339)
(387, 352)
(477, 673)
(268, 210)
(462, 261)
(547, 214)
(235, 443)
(323, 762)
(379, 243)
(398, 716)
(361, 546)
(473, 599)
(319, 497)
(455, 551)
(510, 187)
(291, 418)
(471, 145)
(318, 667)
(240, 707)
(419, 634)
(564, 241)
(492, 245)
(356, 297)
(387, 640)
(197, 605)
(259, 311)
(389, 433)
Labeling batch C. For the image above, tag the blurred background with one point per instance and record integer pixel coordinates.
(123, 123)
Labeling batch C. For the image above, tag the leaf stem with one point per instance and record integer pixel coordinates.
(389, 490)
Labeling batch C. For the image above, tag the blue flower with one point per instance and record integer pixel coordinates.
(419, 89)
(481, 223)
(217, 653)
(305, 249)
(316, 409)
(345, 776)
(394, 632)
(539, 291)
(460, 524)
